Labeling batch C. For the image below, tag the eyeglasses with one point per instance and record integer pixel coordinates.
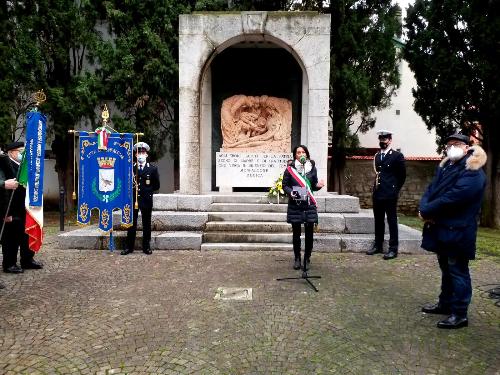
(456, 144)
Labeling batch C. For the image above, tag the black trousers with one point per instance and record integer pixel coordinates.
(309, 230)
(146, 229)
(456, 286)
(381, 208)
(15, 239)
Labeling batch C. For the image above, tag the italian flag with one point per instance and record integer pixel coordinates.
(34, 215)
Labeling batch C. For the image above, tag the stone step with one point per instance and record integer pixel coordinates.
(261, 198)
(169, 221)
(251, 237)
(247, 246)
(331, 223)
(247, 216)
(409, 242)
(327, 202)
(247, 207)
(361, 222)
(248, 226)
(91, 238)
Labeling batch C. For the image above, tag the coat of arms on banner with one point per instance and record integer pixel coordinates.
(106, 174)
(105, 178)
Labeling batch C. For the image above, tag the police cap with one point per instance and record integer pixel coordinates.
(13, 146)
(458, 137)
(141, 147)
(384, 133)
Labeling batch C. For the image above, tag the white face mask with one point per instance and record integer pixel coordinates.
(19, 157)
(455, 153)
(141, 159)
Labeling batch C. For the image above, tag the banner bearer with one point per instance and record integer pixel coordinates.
(147, 182)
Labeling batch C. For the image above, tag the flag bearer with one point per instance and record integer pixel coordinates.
(14, 237)
(148, 181)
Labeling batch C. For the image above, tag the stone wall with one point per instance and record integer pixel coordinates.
(360, 176)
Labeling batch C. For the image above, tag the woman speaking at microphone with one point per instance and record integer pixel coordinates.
(299, 181)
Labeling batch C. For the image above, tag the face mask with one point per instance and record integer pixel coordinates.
(302, 159)
(19, 157)
(141, 159)
(455, 153)
(383, 145)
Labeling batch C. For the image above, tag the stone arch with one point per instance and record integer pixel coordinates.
(205, 107)
(306, 36)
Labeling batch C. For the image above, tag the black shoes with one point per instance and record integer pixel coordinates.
(296, 264)
(32, 265)
(391, 255)
(13, 269)
(453, 322)
(127, 251)
(374, 250)
(436, 308)
(307, 264)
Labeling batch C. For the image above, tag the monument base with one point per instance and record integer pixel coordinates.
(245, 222)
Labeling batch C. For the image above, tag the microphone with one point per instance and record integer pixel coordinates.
(302, 160)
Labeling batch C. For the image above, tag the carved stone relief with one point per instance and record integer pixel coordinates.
(256, 123)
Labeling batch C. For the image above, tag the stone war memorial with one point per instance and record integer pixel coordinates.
(252, 86)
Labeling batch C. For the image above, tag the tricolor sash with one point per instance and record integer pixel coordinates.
(303, 182)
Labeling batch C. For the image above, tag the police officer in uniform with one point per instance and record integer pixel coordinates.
(148, 181)
(390, 173)
(14, 238)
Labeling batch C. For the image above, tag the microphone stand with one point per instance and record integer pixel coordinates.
(305, 276)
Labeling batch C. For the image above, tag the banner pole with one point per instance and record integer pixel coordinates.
(136, 204)
(74, 163)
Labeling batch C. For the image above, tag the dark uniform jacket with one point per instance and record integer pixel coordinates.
(17, 209)
(149, 182)
(451, 205)
(391, 175)
(304, 212)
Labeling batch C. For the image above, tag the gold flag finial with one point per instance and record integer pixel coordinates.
(105, 114)
(39, 97)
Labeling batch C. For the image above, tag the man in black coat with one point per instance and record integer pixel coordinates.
(14, 238)
(450, 207)
(148, 181)
(6, 187)
(390, 175)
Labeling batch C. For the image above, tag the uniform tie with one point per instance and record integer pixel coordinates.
(382, 156)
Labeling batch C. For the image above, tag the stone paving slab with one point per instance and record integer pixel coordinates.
(95, 312)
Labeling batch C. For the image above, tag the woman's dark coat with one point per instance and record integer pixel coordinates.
(303, 212)
(451, 205)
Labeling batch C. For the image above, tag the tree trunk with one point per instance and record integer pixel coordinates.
(337, 171)
(490, 216)
(63, 149)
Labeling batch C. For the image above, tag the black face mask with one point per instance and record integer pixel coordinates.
(383, 145)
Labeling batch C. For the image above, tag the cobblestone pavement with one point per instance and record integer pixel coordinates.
(92, 312)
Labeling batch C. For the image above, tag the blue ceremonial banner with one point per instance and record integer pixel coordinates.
(35, 153)
(105, 179)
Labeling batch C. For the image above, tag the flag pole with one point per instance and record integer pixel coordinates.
(39, 97)
(136, 204)
(74, 162)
